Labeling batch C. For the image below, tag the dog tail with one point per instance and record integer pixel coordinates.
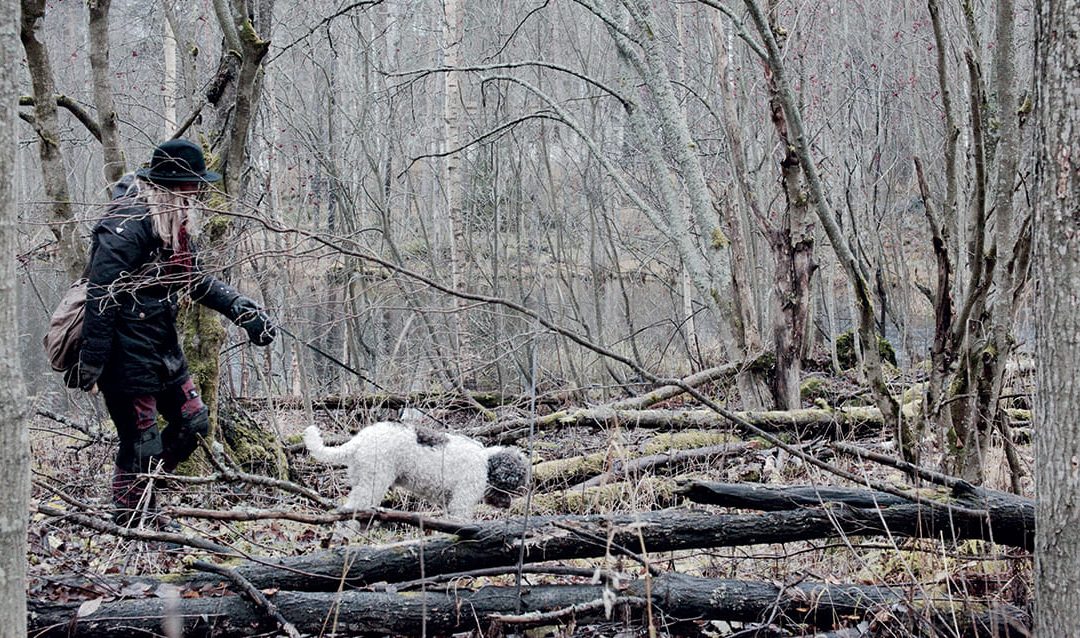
(320, 452)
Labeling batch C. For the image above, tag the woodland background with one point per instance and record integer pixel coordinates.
(522, 217)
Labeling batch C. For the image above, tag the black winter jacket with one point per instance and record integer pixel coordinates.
(132, 302)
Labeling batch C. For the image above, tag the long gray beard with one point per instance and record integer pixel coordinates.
(170, 212)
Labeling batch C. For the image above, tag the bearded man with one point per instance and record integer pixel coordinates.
(142, 263)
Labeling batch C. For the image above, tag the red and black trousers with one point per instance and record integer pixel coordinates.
(163, 427)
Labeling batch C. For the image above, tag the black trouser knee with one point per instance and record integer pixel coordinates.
(181, 438)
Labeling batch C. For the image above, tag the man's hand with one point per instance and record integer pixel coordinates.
(248, 315)
(83, 376)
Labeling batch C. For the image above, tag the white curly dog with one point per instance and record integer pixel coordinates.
(449, 470)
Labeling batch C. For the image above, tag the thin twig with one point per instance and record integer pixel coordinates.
(253, 594)
(619, 549)
(540, 617)
(136, 533)
(910, 469)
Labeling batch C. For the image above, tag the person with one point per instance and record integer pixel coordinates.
(142, 262)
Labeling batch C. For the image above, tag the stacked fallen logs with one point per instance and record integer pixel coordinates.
(360, 590)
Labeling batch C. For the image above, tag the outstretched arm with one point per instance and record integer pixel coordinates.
(241, 310)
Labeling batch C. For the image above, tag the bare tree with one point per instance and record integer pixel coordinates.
(47, 127)
(1057, 321)
(981, 281)
(113, 164)
(14, 437)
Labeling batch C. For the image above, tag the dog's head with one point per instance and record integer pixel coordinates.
(507, 472)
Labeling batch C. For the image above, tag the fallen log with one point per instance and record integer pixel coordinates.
(558, 473)
(675, 600)
(554, 538)
(804, 422)
(628, 467)
(650, 492)
(652, 397)
(771, 498)
(1010, 519)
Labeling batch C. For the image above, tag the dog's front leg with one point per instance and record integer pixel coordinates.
(462, 505)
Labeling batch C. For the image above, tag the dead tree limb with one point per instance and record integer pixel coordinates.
(396, 401)
(1009, 519)
(252, 594)
(136, 533)
(675, 598)
(559, 473)
(769, 498)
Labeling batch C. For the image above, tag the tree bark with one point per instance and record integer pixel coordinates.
(792, 240)
(54, 173)
(14, 437)
(235, 94)
(1057, 319)
(671, 596)
(113, 164)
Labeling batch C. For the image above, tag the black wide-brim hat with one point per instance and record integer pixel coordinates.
(176, 162)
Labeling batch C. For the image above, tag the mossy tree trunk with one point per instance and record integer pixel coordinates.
(234, 96)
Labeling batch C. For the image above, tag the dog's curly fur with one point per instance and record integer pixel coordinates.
(449, 470)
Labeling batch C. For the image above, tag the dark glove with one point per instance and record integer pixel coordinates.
(248, 315)
(82, 375)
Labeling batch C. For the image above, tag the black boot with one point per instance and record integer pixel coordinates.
(128, 492)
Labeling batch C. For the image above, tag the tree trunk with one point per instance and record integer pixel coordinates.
(792, 240)
(453, 185)
(868, 334)
(14, 439)
(113, 164)
(71, 251)
(234, 94)
(1057, 320)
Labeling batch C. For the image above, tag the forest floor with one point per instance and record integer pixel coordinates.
(71, 563)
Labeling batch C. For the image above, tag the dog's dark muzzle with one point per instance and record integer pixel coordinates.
(498, 498)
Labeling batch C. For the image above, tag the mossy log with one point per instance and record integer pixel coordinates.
(669, 597)
(649, 492)
(641, 402)
(559, 473)
(805, 422)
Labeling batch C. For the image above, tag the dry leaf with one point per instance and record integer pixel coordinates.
(88, 607)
